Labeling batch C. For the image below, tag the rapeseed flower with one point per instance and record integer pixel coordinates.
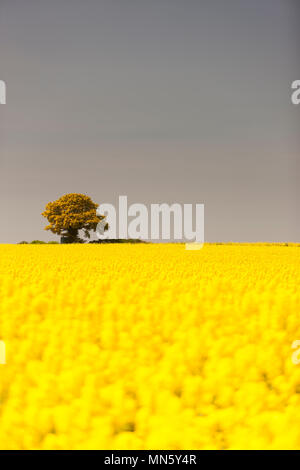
(149, 347)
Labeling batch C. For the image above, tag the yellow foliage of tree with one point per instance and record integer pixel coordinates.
(71, 213)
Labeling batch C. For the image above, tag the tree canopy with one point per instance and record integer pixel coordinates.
(71, 213)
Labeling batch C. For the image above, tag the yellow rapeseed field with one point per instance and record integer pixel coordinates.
(149, 347)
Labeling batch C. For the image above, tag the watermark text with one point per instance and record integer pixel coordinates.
(172, 222)
(2, 92)
(2, 353)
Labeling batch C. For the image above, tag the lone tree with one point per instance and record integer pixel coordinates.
(71, 213)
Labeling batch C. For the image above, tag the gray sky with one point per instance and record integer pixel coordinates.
(160, 100)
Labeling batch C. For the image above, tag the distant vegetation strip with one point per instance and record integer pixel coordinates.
(130, 240)
(40, 242)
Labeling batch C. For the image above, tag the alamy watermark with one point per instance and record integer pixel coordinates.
(2, 92)
(296, 354)
(2, 353)
(172, 222)
(296, 93)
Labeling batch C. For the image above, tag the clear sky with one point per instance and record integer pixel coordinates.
(160, 100)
